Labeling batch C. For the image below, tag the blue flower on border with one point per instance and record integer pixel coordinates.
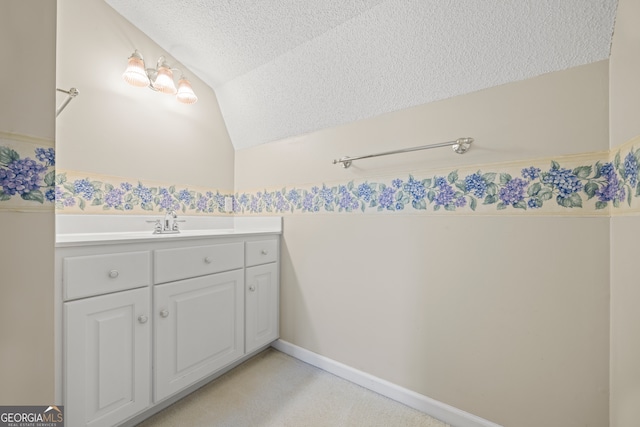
(631, 169)
(415, 189)
(396, 183)
(564, 180)
(83, 188)
(530, 173)
(475, 184)
(46, 156)
(446, 194)
(364, 192)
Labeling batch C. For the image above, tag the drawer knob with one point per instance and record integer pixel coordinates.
(113, 274)
(252, 288)
(164, 313)
(208, 260)
(265, 252)
(142, 318)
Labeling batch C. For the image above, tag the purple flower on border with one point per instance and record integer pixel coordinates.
(612, 191)
(126, 186)
(326, 194)
(460, 202)
(513, 191)
(396, 183)
(202, 204)
(113, 198)
(218, 200)
(386, 198)
(293, 196)
(345, 199)
(446, 194)
(46, 156)
(307, 202)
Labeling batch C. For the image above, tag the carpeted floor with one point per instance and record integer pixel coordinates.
(276, 390)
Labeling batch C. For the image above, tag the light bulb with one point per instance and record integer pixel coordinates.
(185, 92)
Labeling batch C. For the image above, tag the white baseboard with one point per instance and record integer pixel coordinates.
(441, 411)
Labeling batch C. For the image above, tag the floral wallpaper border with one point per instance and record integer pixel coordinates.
(588, 184)
(27, 173)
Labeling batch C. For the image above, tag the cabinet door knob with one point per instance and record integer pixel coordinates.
(142, 318)
(265, 252)
(252, 288)
(164, 313)
(208, 260)
(113, 274)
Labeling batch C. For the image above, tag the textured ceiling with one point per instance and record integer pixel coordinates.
(282, 68)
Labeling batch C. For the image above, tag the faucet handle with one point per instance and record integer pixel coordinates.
(158, 225)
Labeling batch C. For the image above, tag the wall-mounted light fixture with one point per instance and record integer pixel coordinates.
(159, 79)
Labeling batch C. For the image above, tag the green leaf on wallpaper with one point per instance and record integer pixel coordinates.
(128, 198)
(33, 196)
(501, 206)
(373, 186)
(4, 196)
(534, 189)
(172, 189)
(436, 208)
(450, 207)
(153, 190)
(431, 195)
(108, 187)
(636, 154)
(555, 165)
(97, 202)
(629, 196)
(492, 189)
(573, 201)
(461, 185)
(601, 205)
(420, 205)
(490, 199)
(61, 178)
(616, 160)
(473, 203)
(590, 189)
(545, 194)
(350, 186)
(616, 203)
(638, 189)
(147, 206)
(583, 172)
(504, 178)
(97, 185)
(82, 204)
(453, 177)
(69, 186)
(426, 182)
(7, 155)
(399, 195)
(489, 177)
(50, 179)
(520, 205)
(598, 172)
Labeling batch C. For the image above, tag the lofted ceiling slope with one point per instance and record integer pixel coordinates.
(282, 68)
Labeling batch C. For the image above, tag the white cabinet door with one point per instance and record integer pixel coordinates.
(107, 358)
(198, 329)
(262, 301)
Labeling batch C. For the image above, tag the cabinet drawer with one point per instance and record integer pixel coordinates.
(182, 263)
(261, 252)
(85, 276)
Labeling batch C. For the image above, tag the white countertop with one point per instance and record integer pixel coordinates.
(98, 229)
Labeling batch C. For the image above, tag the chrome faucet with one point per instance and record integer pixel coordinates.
(168, 225)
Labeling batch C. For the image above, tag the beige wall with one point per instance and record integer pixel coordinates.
(625, 290)
(506, 318)
(27, 43)
(115, 129)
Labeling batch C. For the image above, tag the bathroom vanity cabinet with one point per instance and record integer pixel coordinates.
(143, 321)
